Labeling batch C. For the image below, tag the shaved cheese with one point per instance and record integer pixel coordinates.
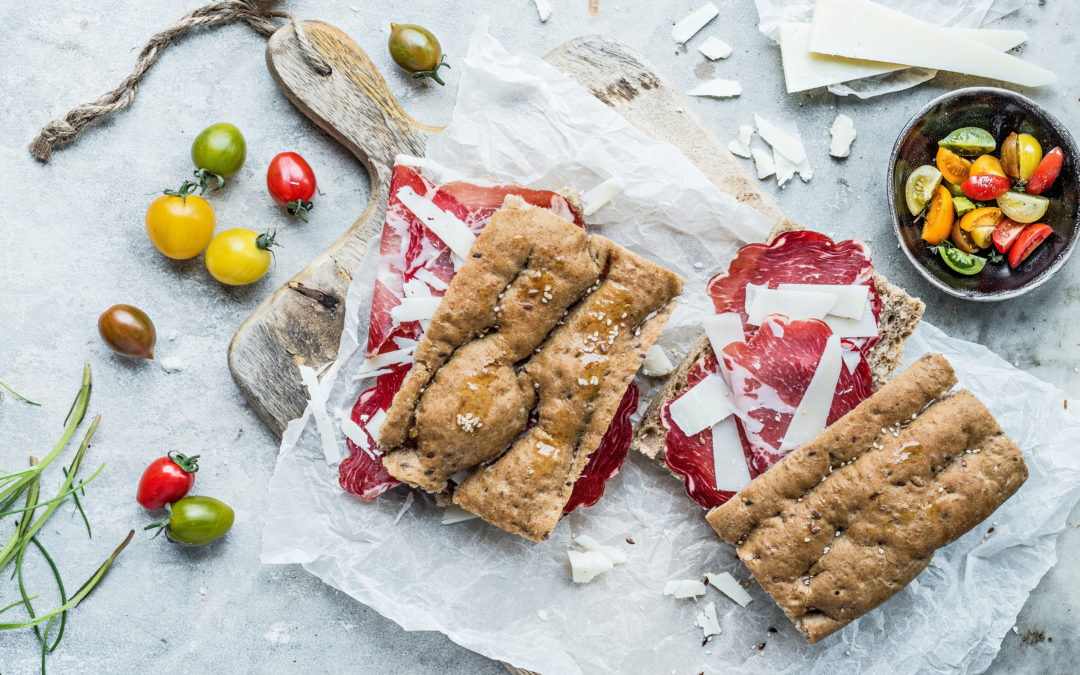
(695, 21)
(446, 226)
(729, 462)
(741, 146)
(376, 364)
(722, 330)
(415, 288)
(617, 555)
(851, 359)
(804, 69)
(865, 30)
(864, 326)
(405, 506)
(656, 362)
(727, 585)
(746, 132)
(796, 305)
(702, 405)
(375, 422)
(429, 278)
(317, 397)
(415, 309)
(789, 146)
(354, 432)
(600, 195)
(843, 135)
(714, 49)
(707, 622)
(455, 514)
(685, 588)
(718, 88)
(587, 565)
(813, 410)
(764, 163)
(850, 298)
(543, 9)
(737, 148)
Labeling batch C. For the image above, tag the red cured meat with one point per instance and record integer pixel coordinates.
(605, 463)
(773, 365)
(409, 251)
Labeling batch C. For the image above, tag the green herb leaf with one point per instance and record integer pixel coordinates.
(18, 395)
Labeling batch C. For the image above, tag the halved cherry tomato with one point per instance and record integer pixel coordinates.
(980, 217)
(983, 235)
(1029, 153)
(1010, 157)
(939, 218)
(1046, 173)
(1005, 234)
(291, 183)
(987, 164)
(167, 480)
(1022, 207)
(953, 167)
(962, 240)
(1028, 241)
(986, 187)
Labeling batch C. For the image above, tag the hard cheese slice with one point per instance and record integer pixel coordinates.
(864, 30)
(804, 69)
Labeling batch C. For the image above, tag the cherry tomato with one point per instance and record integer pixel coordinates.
(218, 152)
(986, 164)
(986, 187)
(179, 223)
(195, 521)
(128, 331)
(1010, 156)
(166, 480)
(982, 217)
(940, 216)
(1046, 173)
(1023, 207)
(1029, 154)
(1028, 241)
(291, 183)
(962, 239)
(953, 167)
(1005, 234)
(239, 256)
(417, 50)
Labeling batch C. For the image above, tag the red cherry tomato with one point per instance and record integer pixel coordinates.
(291, 183)
(1045, 173)
(1005, 234)
(166, 480)
(1028, 241)
(985, 187)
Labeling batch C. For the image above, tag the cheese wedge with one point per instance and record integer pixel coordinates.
(864, 30)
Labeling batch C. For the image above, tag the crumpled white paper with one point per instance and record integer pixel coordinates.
(519, 119)
(958, 13)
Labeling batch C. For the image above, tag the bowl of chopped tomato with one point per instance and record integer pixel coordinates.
(983, 187)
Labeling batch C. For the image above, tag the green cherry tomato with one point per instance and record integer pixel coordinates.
(417, 50)
(961, 262)
(195, 521)
(969, 141)
(218, 152)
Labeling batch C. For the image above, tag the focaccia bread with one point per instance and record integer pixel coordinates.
(900, 314)
(541, 319)
(847, 520)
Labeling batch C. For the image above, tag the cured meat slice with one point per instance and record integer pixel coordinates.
(605, 463)
(412, 257)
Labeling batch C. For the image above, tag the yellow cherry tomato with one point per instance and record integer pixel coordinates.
(179, 223)
(987, 164)
(953, 167)
(939, 219)
(986, 216)
(1030, 154)
(239, 256)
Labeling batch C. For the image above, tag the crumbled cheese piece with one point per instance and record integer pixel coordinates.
(455, 514)
(789, 146)
(727, 585)
(656, 363)
(405, 506)
(695, 21)
(718, 88)
(843, 135)
(542, 614)
(593, 200)
(617, 555)
(741, 146)
(715, 48)
(684, 588)
(543, 9)
(171, 364)
(738, 149)
(707, 622)
(587, 565)
(764, 163)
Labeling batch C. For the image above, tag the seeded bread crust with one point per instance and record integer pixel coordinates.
(900, 314)
(844, 522)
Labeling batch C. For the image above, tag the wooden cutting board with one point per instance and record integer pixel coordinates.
(301, 322)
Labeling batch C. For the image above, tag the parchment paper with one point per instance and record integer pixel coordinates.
(958, 13)
(495, 593)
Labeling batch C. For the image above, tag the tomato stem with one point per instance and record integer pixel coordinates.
(206, 177)
(188, 464)
(186, 188)
(162, 524)
(265, 240)
(299, 208)
(434, 72)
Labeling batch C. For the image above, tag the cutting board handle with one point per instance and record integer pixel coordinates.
(302, 321)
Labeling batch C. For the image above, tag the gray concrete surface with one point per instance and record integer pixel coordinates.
(73, 243)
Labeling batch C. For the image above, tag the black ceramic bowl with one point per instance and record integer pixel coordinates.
(1000, 112)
